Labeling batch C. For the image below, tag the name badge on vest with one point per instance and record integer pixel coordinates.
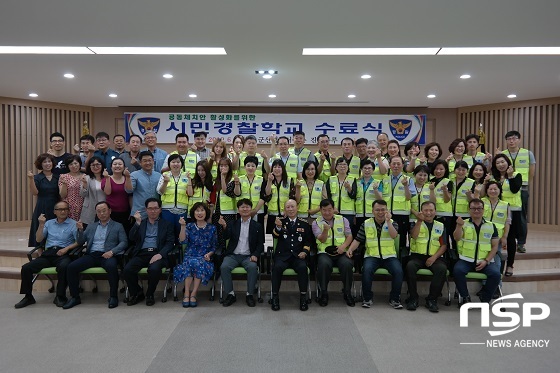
(487, 236)
(401, 187)
(500, 214)
(438, 231)
(339, 230)
(386, 228)
(523, 161)
(292, 165)
(258, 187)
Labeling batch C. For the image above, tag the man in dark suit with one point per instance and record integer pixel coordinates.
(244, 248)
(153, 238)
(293, 241)
(105, 239)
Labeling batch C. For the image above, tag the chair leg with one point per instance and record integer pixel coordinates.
(259, 299)
(221, 299)
(51, 290)
(448, 301)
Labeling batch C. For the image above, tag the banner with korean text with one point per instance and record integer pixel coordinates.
(403, 128)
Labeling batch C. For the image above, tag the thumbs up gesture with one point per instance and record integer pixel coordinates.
(222, 222)
(460, 221)
(404, 181)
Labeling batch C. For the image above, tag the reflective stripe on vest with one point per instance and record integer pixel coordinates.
(342, 201)
(442, 208)
(382, 246)
(364, 200)
(395, 197)
(280, 194)
(520, 163)
(176, 193)
(306, 203)
(473, 247)
(422, 195)
(251, 190)
(338, 228)
(459, 197)
(427, 242)
(496, 214)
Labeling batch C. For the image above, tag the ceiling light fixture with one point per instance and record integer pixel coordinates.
(465, 76)
(351, 96)
(192, 95)
(512, 96)
(266, 74)
(431, 96)
(167, 76)
(370, 51)
(501, 51)
(43, 50)
(158, 50)
(366, 76)
(113, 95)
(272, 96)
(33, 95)
(69, 76)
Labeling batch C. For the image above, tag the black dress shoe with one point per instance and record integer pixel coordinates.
(26, 301)
(431, 305)
(349, 300)
(230, 299)
(324, 300)
(135, 299)
(250, 300)
(74, 301)
(150, 301)
(60, 301)
(411, 304)
(303, 302)
(113, 302)
(275, 303)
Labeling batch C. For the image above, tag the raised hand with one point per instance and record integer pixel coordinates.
(449, 157)
(460, 221)
(270, 176)
(30, 174)
(509, 171)
(432, 186)
(235, 178)
(422, 159)
(264, 155)
(182, 221)
(278, 222)
(404, 181)
(79, 225)
(222, 222)
(166, 177)
(105, 174)
(84, 179)
(138, 217)
(76, 148)
(420, 216)
(126, 173)
(42, 219)
(498, 150)
(388, 216)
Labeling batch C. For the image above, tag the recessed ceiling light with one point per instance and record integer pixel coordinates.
(267, 76)
(369, 51)
(167, 76)
(113, 95)
(157, 50)
(69, 76)
(511, 96)
(272, 96)
(43, 50)
(351, 96)
(431, 96)
(465, 76)
(271, 72)
(33, 95)
(500, 51)
(366, 76)
(192, 95)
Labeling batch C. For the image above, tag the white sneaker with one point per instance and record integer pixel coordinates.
(396, 304)
(367, 303)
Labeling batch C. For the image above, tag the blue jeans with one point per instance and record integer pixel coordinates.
(393, 265)
(492, 271)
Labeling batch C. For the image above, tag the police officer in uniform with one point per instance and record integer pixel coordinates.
(293, 237)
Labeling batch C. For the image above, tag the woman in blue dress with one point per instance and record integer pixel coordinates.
(201, 240)
(44, 186)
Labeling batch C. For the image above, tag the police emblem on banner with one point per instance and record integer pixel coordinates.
(400, 128)
(148, 124)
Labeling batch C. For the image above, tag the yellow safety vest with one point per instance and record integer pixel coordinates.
(199, 195)
(175, 195)
(422, 195)
(326, 171)
(442, 208)
(521, 163)
(279, 197)
(479, 158)
(337, 229)
(354, 167)
(252, 190)
(303, 156)
(498, 215)
(382, 246)
(241, 170)
(310, 199)
(451, 165)
(459, 197)
(214, 170)
(364, 200)
(342, 201)
(291, 164)
(473, 247)
(377, 175)
(396, 198)
(514, 200)
(427, 242)
(227, 204)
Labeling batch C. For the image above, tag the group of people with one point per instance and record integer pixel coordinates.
(351, 207)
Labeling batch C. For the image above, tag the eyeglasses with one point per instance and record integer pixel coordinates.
(95, 165)
(57, 140)
(152, 208)
(64, 209)
(476, 208)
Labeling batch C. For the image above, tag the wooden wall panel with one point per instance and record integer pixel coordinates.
(538, 123)
(24, 134)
